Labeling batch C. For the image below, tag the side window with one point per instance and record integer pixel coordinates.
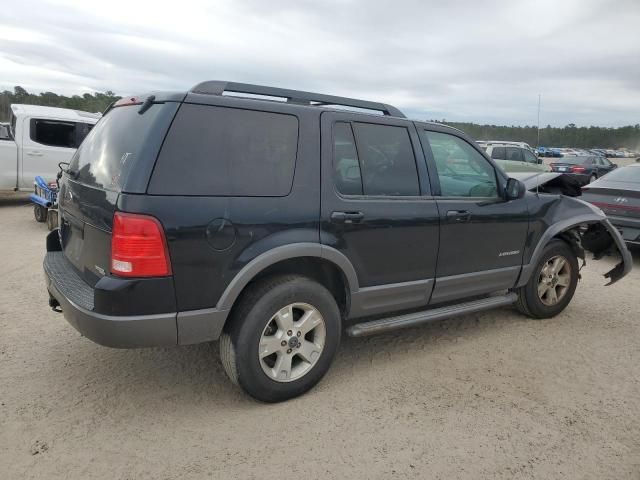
(227, 151)
(498, 153)
(514, 154)
(387, 161)
(5, 134)
(529, 157)
(345, 160)
(462, 171)
(605, 162)
(54, 133)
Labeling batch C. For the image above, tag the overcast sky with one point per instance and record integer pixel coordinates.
(482, 61)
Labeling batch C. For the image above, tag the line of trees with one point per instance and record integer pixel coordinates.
(89, 102)
(569, 136)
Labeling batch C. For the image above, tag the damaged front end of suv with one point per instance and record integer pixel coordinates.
(584, 226)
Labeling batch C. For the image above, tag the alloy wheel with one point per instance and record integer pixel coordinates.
(554, 280)
(292, 342)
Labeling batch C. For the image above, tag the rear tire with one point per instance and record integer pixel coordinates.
(40, 213)
(552, 283)
(291, 316)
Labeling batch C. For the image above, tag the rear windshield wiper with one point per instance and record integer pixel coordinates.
(147, 104)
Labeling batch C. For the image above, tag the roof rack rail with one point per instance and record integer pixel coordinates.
(217, 87)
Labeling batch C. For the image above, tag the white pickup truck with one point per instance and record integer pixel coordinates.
(38, 139)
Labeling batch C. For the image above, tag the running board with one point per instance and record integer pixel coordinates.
(432, 315)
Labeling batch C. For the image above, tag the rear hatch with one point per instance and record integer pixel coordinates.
(117, 156)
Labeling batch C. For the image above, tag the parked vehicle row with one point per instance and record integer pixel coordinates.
(513, 156)
(274, 226)
(580, 152)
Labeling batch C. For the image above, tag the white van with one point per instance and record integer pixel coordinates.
(38, 139)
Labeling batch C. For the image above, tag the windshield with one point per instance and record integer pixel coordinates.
(117, 142)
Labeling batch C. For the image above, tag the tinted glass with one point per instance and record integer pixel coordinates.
(575, 160)
(53, 133)
(529, 157)
(117, 142)
(227, 151)
(345, 160)
(498, 153)
(462, 170)
(387, 160)
(4, 132)
(514, 154)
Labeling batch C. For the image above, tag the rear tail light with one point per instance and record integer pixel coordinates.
(138, 247)
(577, 169)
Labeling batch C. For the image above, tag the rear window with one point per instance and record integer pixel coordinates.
(226, 151)
(575, 160)
(118, 141)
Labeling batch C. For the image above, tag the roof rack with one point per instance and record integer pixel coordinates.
(217, 87)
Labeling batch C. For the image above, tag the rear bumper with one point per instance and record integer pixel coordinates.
(70, 291)
(79, 303)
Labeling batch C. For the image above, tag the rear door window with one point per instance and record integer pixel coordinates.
(377, 161)
(53, 133)
(498, 153)
(514, 154)
(223, 151)
(345, 160)
(58, 133)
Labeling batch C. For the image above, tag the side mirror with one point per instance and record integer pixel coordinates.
(515, 189)
(614, 165)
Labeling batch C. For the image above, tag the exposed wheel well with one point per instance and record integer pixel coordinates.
(322, 271)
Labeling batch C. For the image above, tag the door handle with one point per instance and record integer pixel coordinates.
(459, 216)
(34, 154)
(346, 217)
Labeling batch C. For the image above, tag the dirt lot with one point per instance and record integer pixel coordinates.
(491, 395)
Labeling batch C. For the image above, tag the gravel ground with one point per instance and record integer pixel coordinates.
(492, 395)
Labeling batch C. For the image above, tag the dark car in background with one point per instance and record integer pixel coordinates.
(618, 195)
(587, 168)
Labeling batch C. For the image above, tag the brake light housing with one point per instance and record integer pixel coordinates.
(578, 169)
(138, 246)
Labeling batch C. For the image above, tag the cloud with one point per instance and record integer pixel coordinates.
(466, 61)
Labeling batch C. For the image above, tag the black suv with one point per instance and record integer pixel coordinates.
(278, 220)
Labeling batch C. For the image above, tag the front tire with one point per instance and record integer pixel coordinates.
(282, 338)
(552, 284)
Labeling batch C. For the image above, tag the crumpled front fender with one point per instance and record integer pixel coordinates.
(603, 238)
(590, 230)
